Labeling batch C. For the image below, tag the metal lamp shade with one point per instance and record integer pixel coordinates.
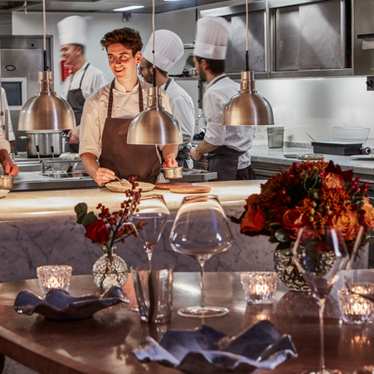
(154, 125)
(46, 112)
(248, 108)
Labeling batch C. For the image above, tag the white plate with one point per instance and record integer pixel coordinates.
(3, 193)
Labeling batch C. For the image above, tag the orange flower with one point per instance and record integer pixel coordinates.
(369, 213)
(333, 181)
(347, 223)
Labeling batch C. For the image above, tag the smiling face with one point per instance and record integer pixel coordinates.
(122, 62)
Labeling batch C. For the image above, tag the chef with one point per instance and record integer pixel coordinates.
(85, 79)
(228, 148)
(168, 51)
(108, 113)
(9, 167)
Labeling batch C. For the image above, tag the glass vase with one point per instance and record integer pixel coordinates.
(110, 270)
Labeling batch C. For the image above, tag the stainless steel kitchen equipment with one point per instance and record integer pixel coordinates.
(173, 173)
(50, 144)
(21, 60)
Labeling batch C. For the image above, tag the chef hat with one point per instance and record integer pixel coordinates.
(212, 36)
(168, 49)
(72, 30)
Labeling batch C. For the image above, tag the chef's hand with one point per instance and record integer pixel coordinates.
(10, 168)
(170, 162)
(73, 137)
(103, 176)
(196, 155)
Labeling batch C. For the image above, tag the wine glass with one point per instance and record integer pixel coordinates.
(319, 254)
(201, 230)
(154, 213)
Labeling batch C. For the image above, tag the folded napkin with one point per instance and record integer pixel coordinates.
(60, 305)
(261, 346)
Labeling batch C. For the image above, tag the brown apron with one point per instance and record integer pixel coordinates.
(125, 159)
(224, 160)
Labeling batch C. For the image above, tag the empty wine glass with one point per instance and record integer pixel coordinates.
(319, 254)
(154, 213)
(201, 230)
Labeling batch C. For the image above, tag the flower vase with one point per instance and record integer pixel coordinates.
(288, 273)
(110, 270)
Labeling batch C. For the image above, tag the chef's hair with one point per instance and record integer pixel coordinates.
(130, 38)
(215, 66)
(149, 65)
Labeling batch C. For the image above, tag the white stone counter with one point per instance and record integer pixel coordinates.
(32, 204)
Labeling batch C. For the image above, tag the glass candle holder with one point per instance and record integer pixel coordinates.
(259, 287)
(355, 309)
(54, 276)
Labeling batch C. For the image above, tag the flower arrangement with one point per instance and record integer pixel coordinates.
(314, 194)
(107, 228)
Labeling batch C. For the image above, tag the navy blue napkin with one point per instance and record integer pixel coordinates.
(60, 305)
(261, 346)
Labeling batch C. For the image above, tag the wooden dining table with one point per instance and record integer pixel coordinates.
(104, 343)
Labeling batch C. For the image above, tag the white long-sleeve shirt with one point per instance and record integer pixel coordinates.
(218, 93)
(4, 144)
(92, 81)
(182, 108)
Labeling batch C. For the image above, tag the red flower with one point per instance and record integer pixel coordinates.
(97, 232)
(253, 221)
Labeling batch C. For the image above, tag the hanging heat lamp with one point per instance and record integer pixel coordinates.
(154, 125)
(248, 108)
(46, 112)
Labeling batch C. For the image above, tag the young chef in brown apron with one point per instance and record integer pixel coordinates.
(86, 79)
(227, 147)
(107, 115)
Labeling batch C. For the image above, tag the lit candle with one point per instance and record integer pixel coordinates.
(354, 309)
(54, 276)
(259, 287)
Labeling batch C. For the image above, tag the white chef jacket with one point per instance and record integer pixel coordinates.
(239, 138)
(4, 144)
(95, 112)
(182, 108)
(92, 81)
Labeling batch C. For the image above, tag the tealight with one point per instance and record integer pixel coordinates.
(354, 308)
(54, 276)
(259, 287)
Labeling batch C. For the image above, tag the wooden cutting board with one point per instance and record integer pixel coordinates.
(168, 186)
(190, 189)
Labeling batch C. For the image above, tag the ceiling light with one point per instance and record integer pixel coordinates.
(154, 125)
(128, 8)
(46, 112)
(248, 108)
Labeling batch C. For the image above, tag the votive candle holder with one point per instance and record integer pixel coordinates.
(355, 309)
(259, 287)
(54, 276)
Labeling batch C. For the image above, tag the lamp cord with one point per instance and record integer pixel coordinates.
(153, 50)
(246, 37)
(45, 65)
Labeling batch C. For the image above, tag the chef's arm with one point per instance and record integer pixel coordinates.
(10, 168)
(203, 147)
(169, 154)
(98, 174)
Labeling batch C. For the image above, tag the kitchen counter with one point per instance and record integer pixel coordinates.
(268, 162)
(21, 205)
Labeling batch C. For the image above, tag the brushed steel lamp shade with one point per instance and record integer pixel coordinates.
(248, 108)
(46, 112)
(154, 125)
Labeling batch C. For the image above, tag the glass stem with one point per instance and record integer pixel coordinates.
(321, 305)
(202, 284)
